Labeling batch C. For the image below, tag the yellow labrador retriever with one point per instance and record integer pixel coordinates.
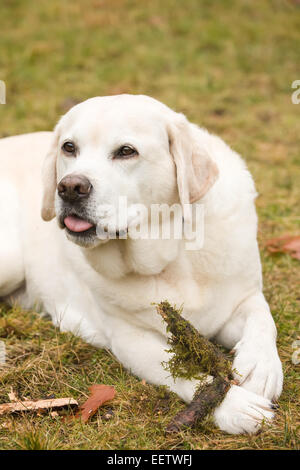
(100, 286)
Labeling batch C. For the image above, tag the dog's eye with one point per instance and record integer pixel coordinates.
(125, 151)
(69, 148)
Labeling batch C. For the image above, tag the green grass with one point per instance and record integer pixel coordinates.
(229, 66)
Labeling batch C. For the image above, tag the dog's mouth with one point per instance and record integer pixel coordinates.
(78, 226)
(83, 229)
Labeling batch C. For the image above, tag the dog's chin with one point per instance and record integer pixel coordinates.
(87, 239)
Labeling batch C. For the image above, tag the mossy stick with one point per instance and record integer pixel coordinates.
(190, 345)
(205, 400)
(192, 356)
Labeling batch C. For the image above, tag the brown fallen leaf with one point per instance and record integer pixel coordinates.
(285, 244)
(30, 405)
(99, 395)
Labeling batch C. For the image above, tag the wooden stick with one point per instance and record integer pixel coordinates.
(204, 402)
(192, 356)
(210, 359)
(29, 405)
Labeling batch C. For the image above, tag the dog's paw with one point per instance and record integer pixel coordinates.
(243, 412)
(258, 369)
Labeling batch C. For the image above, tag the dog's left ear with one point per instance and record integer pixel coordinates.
(49, 179)
(196, 171)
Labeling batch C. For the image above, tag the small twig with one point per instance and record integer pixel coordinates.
(30, 405)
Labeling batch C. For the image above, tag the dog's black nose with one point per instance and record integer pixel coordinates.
(74, 187)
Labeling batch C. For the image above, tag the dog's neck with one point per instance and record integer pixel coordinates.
(119, 258)
(143, 256)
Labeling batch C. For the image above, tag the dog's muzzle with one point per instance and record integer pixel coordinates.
(75, 190)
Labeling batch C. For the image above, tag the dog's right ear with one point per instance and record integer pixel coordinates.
(49, 179)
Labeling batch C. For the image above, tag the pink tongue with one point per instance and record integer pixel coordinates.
(75, 224)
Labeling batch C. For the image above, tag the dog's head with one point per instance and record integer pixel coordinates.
(127, 146)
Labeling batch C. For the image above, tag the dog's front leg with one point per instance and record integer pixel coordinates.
(251, 333)
(143, 351)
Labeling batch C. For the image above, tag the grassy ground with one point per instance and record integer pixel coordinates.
(229, 66)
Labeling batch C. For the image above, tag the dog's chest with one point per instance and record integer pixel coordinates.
(132, 299)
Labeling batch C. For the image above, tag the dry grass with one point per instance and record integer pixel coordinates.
(229, 66)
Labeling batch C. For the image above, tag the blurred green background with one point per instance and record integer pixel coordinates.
(211, 59)
(228, 65)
